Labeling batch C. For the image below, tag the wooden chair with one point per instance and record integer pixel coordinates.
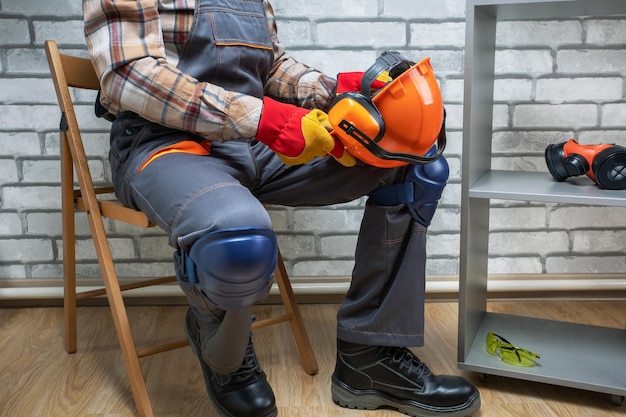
(69, 71)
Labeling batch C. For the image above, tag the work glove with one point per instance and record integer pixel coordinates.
(350, 82)
(298, 135)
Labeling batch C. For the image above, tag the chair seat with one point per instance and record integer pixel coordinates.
(114, 209)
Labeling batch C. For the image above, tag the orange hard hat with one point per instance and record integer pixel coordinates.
(399, 123)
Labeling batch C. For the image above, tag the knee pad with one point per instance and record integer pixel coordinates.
(420, 191)
(233, 268)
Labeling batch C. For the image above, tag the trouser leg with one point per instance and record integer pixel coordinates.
(385, 302)
(189, 196)
(224, 334)
(224, 331)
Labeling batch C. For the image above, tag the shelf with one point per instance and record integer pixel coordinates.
(578, 360)
(539, 186)
(573, 355)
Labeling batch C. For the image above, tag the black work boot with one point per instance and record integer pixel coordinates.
(243, 393)
(370, 377)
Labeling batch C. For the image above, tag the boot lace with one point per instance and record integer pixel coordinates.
(408, 360)
(250, 367)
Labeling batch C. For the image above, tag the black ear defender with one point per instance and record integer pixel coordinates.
(605, 164)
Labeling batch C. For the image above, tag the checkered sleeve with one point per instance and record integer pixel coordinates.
(294, 82)
(125, 42)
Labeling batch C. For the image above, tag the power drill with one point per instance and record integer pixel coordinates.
(605, 164)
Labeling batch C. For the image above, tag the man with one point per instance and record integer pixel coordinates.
(212, 120)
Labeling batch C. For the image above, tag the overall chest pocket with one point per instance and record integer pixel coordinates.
(236, 27)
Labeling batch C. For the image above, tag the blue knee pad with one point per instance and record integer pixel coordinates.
(420, 191)
(233, 268)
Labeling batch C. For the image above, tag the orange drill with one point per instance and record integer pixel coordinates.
(605, 164)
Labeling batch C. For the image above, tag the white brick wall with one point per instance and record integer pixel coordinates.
(555, 80)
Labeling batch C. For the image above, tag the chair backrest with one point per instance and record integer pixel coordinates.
(67, 72)
(70, 71)
(74, 71)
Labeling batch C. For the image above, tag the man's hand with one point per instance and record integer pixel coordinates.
(298, 135)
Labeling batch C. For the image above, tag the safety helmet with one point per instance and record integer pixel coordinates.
(399, 123)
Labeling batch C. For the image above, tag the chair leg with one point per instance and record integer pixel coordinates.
(69, 246)
(118, 311)
(297, 324)
(129, 351)
(124, 334)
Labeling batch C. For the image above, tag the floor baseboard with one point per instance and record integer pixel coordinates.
(48, 292)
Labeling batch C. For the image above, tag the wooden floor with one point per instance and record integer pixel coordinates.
(38, 379)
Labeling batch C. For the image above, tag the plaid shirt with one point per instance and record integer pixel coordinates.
(135, 46)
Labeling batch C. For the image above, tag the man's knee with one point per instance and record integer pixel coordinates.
(420, 191)
(233, 268)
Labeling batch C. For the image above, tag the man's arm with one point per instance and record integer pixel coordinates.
(125, 42)
(296, 83)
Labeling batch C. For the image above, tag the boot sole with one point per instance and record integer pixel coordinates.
(372, 400)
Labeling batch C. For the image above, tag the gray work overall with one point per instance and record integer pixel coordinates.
(191, 195)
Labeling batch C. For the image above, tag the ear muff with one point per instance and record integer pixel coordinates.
(609, 168)
(359, 120)
(396, 125)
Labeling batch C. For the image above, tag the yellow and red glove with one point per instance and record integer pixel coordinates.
(298, 135)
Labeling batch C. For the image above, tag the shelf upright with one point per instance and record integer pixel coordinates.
(572, 355)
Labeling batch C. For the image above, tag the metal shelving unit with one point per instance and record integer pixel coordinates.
(572, 355)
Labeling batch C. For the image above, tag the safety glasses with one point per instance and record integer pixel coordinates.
(509, 353)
